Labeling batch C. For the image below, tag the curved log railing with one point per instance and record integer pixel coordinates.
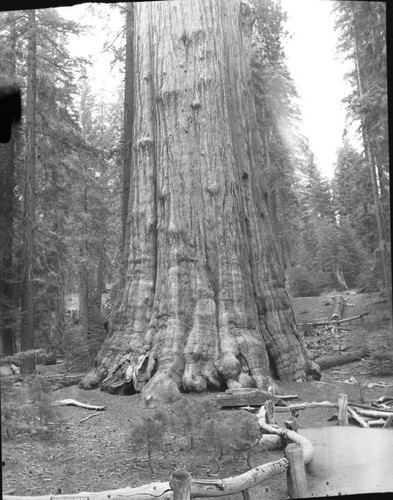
(293, 463)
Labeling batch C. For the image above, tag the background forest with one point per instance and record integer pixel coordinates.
(64, 175)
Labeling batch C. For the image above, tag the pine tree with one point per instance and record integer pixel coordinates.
(362, 28)
(277, 117)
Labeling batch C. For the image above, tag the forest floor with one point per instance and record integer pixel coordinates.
(102, 453)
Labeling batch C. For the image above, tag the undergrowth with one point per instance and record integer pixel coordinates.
(165, 431)
(26, 409)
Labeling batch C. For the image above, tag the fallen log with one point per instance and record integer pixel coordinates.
(327, 322)
(368, 407)
(357, 417)
(377, 423)
(326, 362)
(74, 402)
(338, 308)
(373, 413)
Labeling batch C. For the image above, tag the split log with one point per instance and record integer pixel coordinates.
(326, 362)
(338, 308)
(251, 398)
(357, 417)
(303, 406)
(74, 402)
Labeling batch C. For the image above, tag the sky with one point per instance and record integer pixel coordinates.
(318, 75)
(312, 60)
(103, 24)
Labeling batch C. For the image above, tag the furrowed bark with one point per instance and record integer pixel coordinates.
(204, 304)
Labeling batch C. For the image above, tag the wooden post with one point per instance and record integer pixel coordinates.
(250, 494)
(269, 412)
(180, 483)
(292, 423)
(342, 413)
(296, 474)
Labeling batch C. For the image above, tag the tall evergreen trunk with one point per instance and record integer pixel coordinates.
(370, 159)
(204, 304)
(7, 168)
(83, 266)
(7, 185)
(128, 116)
(27, 333)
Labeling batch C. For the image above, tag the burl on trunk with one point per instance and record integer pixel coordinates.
(203, 304)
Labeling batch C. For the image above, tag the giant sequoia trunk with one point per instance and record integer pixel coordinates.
(204, 304)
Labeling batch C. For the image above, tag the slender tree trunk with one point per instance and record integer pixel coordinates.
(100, 280)
(128, 117)
(27, 334)
(369, 153)
(83, 268)
(204, 304)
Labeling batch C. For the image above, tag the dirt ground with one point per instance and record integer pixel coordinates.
(96, 455)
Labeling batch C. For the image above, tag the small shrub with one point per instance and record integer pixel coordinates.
(147, 434)
(188, 417)
(233, 437)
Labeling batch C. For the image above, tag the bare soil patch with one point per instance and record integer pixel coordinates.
(95, 454)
